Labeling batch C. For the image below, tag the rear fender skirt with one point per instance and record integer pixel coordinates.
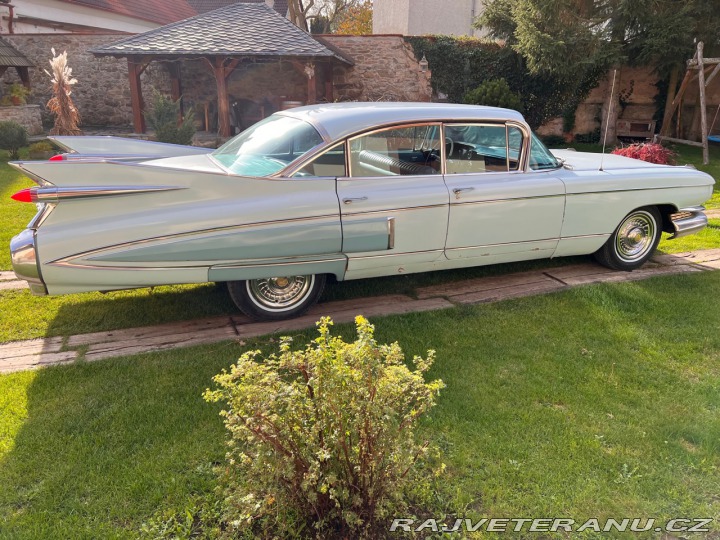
(289, 267)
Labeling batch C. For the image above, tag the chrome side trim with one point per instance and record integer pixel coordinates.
(272, 265)
(350, 257)
(24, 261)
(406, 209)
(625, 190)
(508, 199)
(44, 210)
(688, 221)
(55, 194)
(391, 232)
(66, 260)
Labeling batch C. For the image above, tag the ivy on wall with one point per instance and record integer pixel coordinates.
(461, 64)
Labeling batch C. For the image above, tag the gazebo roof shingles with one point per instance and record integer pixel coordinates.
(11, 57)
(242, 29)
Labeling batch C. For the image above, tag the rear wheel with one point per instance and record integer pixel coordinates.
(633, 242)
(274, 299)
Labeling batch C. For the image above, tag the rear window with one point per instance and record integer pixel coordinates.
(268, 146)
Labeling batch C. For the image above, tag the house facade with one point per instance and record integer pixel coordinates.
(89, 16)
(421, 17)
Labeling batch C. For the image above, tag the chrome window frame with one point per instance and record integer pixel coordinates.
(523, 157)
(317, 154)
(356, 136)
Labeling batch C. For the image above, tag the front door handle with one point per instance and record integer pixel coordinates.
(458, 191)
(355, 199)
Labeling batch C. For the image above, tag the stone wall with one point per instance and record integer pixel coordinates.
(102, 94)
(385, 70)
(27, 116)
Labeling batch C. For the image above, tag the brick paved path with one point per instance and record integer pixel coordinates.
(34, 353)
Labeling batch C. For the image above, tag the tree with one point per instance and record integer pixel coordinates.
(356, 19)
(327, 16)
(576, 39)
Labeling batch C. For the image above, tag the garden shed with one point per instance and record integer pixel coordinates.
(225, 40)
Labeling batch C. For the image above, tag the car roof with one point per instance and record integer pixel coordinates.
(339, 120)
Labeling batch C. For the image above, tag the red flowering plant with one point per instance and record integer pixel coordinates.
(650, 152)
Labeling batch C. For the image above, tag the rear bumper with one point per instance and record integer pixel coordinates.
(688, 221)
(24, 261)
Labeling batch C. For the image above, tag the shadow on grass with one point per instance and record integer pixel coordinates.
(103, 445)
(28, 317)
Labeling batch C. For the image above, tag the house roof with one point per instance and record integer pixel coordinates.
(203, 6)
(10, 56)
(241, 29)
(157, 11)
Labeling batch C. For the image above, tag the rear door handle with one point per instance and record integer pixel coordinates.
(354, 199)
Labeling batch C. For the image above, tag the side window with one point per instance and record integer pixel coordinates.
(473, 148)
(408, 150)
(330, 163)
(540, 157)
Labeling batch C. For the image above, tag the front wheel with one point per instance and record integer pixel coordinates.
(278, 298)
(633, 242)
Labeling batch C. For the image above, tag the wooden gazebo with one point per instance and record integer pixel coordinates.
(226, 38)
(11, 57)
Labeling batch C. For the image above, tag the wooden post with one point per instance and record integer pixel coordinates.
(676, 102)
(24, 75)
(311, 75)
(329, 86)
(222, 70)
(703, 103)
(135, 69)
(176, 85)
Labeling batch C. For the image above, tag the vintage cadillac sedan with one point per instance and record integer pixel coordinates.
(351, 190)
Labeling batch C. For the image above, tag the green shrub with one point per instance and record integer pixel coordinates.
(495, 93)
(13, 136)
(322, 439)
(588, 138)
(163, 118)
(553, 141)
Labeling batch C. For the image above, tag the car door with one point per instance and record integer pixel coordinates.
(499, 212)
(394, 202)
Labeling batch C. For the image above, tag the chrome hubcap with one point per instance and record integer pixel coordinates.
(635, 237)
(280, 293)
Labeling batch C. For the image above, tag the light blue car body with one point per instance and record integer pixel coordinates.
(121, 213)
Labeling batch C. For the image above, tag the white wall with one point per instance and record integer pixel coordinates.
(420, 17)
(36, 16)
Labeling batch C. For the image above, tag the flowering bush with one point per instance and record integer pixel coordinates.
(650, 152)
(321, 439)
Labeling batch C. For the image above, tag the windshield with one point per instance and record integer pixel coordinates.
(268, 146)
(540, 156)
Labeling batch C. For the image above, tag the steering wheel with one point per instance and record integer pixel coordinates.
(449, 147)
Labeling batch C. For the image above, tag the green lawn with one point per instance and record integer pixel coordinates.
(600, 401)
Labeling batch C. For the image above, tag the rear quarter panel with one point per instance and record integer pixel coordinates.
(175, 236)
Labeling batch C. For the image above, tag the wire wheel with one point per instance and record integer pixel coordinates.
(633, 242)
(279, 293)
(635, 236)
(277, 298)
